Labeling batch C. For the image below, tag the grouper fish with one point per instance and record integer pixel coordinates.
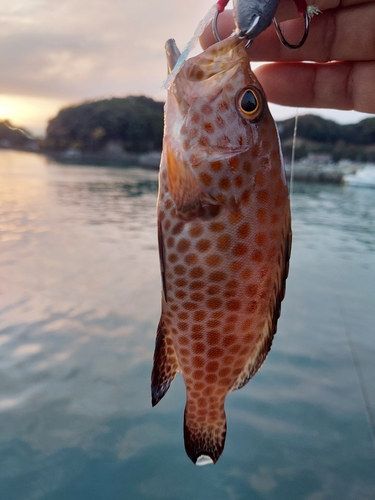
(224, 232)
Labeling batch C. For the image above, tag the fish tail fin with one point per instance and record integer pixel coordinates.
(165, 364)
(204, 436)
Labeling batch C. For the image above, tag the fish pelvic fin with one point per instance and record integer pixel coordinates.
(204, 440)
(165, 365)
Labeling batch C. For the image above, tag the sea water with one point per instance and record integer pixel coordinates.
(79, 306)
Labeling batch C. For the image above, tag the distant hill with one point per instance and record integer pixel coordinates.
(355, 141)
(15, 138)
(133, 124)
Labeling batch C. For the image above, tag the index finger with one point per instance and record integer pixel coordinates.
(344, 33)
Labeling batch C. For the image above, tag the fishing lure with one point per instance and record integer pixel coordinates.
(253, 17)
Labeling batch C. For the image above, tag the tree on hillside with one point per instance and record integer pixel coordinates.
(135, 122)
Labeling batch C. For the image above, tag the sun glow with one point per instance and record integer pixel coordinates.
(30, 112)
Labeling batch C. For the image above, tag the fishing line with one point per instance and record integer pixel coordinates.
(293, 156)
(361, 379)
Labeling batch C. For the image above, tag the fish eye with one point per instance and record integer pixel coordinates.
(249, 103)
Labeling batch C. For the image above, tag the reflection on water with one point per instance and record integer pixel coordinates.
(79, 302)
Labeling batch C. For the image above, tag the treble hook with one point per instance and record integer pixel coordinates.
(282, 38)
(216, 31)
(279, 33)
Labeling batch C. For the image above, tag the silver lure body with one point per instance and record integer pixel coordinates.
(252, 17)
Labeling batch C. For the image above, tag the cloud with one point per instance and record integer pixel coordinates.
(67, 52)
(89, 49)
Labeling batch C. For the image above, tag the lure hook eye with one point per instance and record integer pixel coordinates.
(216, 31)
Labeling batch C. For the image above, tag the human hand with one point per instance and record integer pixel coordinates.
(341, 43)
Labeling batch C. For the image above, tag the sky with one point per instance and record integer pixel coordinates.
(54, 53)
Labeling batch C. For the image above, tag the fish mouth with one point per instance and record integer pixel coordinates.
(173, 53)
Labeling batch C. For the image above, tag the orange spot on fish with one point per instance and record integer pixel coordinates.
(177, 228)
(204, 141)
(198, 362)
(170, 242)
(206, 109)
(275, 219)
(240, 249)
(260, 239)
(224, 183)
(257, 256)
(179, 270)
(208, 127)
(261, 215)
(183, 245)
(223, 242)
(235, 266)
(212, 366)
(199, 316)
(217, 227)
(243, 230)
(215, 352)
(213, 337)
(205, 179)
(223, 106)
(246, 197)
(197, 297)
(262, 196)
(216, 166)
(195, 230)
(233, 163)
(191, 259)
(198, 347)
(234, 218)
(203, 245)
(214, 303)
(196, 285)
(233, 305)
(238, 181)
(213, 290)
(197, 272)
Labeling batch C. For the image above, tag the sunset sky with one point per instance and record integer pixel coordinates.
(54, 53)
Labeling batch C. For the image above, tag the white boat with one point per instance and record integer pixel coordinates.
(364, 177)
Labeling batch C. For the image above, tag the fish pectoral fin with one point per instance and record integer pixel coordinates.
(204, 441)
(182, 184)
(165, 365)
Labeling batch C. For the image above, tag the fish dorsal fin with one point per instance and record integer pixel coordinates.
(259, 354)
(165, 365)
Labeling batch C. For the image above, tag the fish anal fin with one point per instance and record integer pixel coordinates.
(165, 365)
(204, 441)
